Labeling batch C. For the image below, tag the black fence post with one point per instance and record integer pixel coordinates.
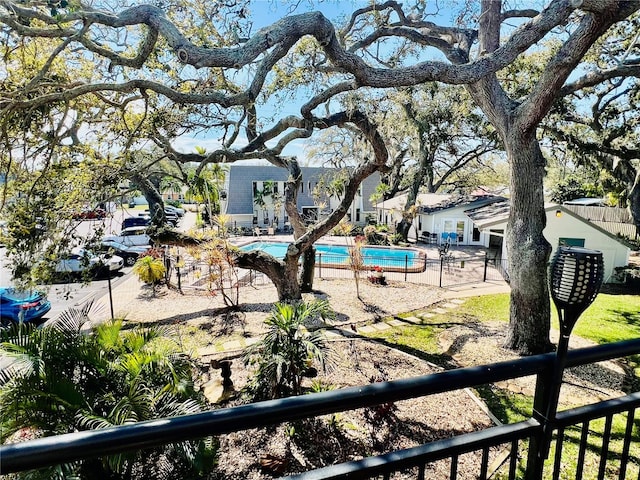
(406, 267)
(441, 269)
(486, 263)
(178, 274)
(535, 457)
(319, 264)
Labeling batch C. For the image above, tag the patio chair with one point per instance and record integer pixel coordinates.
(271, 231)
(425, 237)
(256, 231)
(444, 238)
(453, 238)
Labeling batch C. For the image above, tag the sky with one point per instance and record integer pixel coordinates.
(266, 12)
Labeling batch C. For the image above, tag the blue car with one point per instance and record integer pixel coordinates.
(16, 305)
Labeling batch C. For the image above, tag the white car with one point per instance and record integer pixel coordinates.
(130, 236)
(80, 260)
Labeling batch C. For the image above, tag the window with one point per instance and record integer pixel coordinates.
(357, 214)
(570, 242)
(476, 234)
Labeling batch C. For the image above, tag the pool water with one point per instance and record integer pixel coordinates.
(339, 254)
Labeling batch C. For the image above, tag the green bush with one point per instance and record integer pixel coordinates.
(286, 354)
(396, 238)
(373, 236)
(64, 380)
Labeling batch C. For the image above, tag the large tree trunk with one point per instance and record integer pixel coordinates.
(634, 203)
(288, 286)
(527, 249)
(403, 228)
(283, 274)
(308, 269)
(153, 197)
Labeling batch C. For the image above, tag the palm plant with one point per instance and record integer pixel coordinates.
(149, 270)
(62, 380)
(205, 185)
(285, 355)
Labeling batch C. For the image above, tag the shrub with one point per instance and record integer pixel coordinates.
(373, 236)
(63, 381)
(396, 238)
(149, 270)
(284, 357)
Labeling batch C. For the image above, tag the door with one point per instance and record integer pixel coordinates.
(457, 226)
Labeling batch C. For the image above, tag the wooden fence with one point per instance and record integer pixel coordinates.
(616, 221)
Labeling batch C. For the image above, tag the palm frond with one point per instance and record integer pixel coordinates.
(89, 421)
(73, 319)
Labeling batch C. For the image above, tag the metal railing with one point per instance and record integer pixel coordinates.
(442, 272)
(448, 270)
(98, 443)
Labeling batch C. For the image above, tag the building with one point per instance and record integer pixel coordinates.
(253, 195)
(438, 213)
(564, 228)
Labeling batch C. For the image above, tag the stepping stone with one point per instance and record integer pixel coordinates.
(332, 334)
(440, 310)
(415, 320)
(250, 341)
(450, 305)
(395, 323)
(366, 329)
(232, 345)
(457, 301)
(381, 326)
(427, 315)
(209, 350)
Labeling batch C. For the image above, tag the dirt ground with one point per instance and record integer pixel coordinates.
(357, 361)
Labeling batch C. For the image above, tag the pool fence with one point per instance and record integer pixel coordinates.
(445, 271)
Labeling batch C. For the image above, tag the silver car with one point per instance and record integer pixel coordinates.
(130, 236)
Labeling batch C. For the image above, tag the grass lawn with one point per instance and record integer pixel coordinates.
(610, 318)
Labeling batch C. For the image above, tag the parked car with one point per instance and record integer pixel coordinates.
(172, 218)
(135, 222)
(129, 253)
(90, 214)
(130, 236)
(81, 260)
(177, 210)
(17, 305)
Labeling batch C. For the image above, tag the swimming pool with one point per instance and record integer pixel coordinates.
(391, 259)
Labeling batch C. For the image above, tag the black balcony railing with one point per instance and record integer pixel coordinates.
(98, 443)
